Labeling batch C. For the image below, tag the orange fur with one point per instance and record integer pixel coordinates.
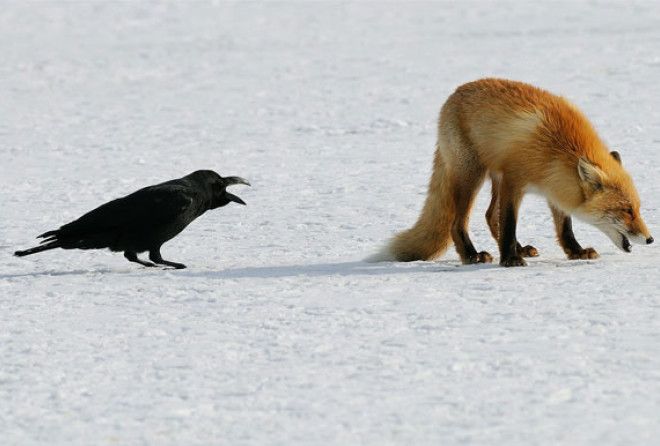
(526, 139)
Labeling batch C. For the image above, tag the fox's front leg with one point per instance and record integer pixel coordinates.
(510, 196)
(566, 238)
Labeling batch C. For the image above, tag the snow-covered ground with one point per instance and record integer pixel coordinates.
(278, 333)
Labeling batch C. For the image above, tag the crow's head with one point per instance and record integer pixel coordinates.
(216, 187)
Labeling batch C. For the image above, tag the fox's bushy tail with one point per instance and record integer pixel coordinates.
(431, 235)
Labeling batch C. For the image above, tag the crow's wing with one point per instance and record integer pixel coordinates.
(152, 206)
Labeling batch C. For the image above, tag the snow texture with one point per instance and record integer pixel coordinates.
(278, 333)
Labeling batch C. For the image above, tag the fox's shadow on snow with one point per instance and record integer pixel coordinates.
(361, 268)
(357, 268)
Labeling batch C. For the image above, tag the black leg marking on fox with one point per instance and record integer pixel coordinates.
(466, 249)
(509, 255)
(567, 237)
(564, 228)
(464, 193)
(493, 220)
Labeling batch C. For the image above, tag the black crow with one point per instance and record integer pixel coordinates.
(145, 219)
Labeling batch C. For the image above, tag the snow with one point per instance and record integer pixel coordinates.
(278, 333)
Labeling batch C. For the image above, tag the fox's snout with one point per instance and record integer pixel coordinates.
(632, 230)
(638, 231)
(623, 228)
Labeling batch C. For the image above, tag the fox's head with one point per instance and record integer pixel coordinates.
(611, 203)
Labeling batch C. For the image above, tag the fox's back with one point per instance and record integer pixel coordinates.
(505, 121)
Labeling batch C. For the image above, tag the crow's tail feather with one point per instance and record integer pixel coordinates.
(36, 249)
(49, 234)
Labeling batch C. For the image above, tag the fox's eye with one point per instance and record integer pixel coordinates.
(630, 212)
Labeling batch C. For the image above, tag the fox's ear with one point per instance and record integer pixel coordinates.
(616, 156)
(590, 174)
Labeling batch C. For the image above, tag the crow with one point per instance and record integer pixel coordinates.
(145, 219)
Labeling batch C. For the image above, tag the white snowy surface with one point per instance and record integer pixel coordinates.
(278, 333)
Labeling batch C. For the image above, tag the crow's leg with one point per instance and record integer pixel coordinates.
(132, 257)
(154, 256)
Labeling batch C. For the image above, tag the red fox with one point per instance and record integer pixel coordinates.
(525, 139)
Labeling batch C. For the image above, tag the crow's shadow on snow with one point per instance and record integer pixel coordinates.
(356, 268)
(75, 272)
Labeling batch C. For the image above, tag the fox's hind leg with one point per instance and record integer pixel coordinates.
(493, 212)
(566, 238)
(493, 219)
(465, 190)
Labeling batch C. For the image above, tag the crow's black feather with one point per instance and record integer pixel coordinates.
(144, 220)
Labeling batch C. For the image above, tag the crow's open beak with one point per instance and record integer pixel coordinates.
(235, 180)
(234, 198)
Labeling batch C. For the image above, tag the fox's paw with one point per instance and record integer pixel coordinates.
(484, 257)
(527, 251)
(583, 254)
(513, 261)
(480, 257)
